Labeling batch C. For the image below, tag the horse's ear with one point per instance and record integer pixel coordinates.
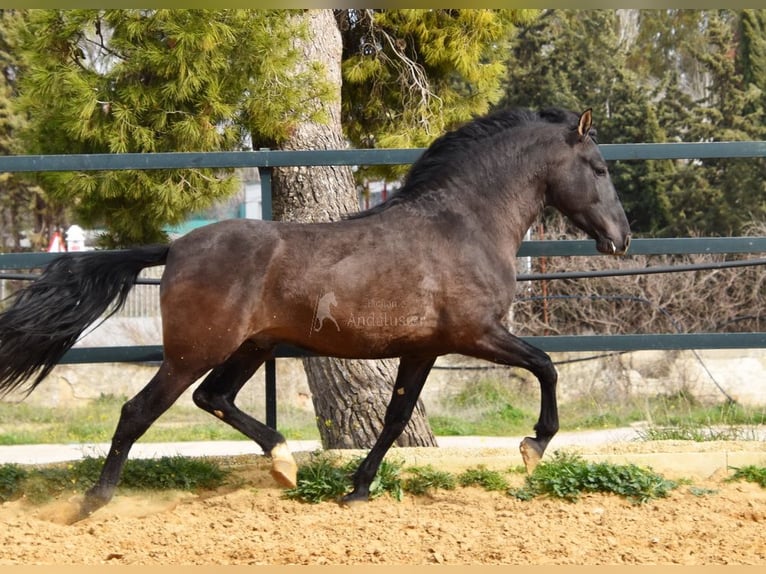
(586, 120)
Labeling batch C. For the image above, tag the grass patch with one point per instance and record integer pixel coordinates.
(484, 478)
(564, 476)
(325, 477)
(696, 433)
(426, 479)
(488, 406)
(39, 484)
(568, 476)
(95, 422)
(750, 473)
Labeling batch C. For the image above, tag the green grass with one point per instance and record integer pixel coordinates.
(21, 423)
(484, 407)
(564, 476)
(488, 408)
(41, 483)
(326, 478)
(484, 478)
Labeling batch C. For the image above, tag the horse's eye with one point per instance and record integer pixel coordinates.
(599, 171)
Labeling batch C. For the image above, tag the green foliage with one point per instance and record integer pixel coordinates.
(388, 479)
(750, 473)
(39, 484)
(410, 74)
(567, 476)
(22, 206)
(171, 473)
(117, 81)
(11, 478)
(696, 433)
(483, 477)
(320, 480)
(326, 477)
(426, 479)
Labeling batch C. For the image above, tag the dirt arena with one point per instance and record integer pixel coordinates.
(706, 521)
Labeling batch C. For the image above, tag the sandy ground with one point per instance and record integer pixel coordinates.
(709, 521)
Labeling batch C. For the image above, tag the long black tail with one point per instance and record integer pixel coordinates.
(48, 316)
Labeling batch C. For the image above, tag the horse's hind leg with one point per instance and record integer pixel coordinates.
(500, 346)
(136, 417)
(410, 379)
(216, 395)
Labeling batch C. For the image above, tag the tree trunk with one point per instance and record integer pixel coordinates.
(350, 397)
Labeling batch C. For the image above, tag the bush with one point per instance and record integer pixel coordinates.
(568, 476)
(750, 473)
(11, 478)
(661, 303)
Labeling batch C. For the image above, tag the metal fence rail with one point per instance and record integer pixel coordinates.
(265, 160)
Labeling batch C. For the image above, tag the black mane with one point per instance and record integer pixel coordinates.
(438, 161)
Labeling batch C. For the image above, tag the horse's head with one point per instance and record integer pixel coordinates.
(579, 186)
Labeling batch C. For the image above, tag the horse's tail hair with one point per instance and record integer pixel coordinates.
(46, 317)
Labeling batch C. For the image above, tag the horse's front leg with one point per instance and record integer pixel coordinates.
(500, 346)
(410, 378)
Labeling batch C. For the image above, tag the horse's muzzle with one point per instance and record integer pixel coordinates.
(609, 247)
(624, 249)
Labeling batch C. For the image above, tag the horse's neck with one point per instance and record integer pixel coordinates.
(512, 213)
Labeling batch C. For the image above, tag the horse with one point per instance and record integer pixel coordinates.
(441, 253)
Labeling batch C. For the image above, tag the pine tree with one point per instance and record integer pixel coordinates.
(408, 75)
(117, 81)
(24, 211)
(733, 110)
(577, 59)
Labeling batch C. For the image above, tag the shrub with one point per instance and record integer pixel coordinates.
(567, 476)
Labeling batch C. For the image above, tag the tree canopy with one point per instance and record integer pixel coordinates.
(109, 81)
(657, 76)
(104, 81)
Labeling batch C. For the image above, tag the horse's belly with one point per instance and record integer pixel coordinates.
(370, 336)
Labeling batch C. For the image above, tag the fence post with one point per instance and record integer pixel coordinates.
(271, 393)
(271, 365)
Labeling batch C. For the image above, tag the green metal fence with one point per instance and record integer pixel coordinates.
(265, 160)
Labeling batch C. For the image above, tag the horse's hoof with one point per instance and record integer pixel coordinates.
(531, 453)
(352, 499)
(283, 467)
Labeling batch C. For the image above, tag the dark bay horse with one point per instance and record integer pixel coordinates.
(429, 272)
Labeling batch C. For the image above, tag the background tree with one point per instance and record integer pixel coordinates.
(401, 85)
(654, 76)
(24, 213)
(109, 81)
(160, 80)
